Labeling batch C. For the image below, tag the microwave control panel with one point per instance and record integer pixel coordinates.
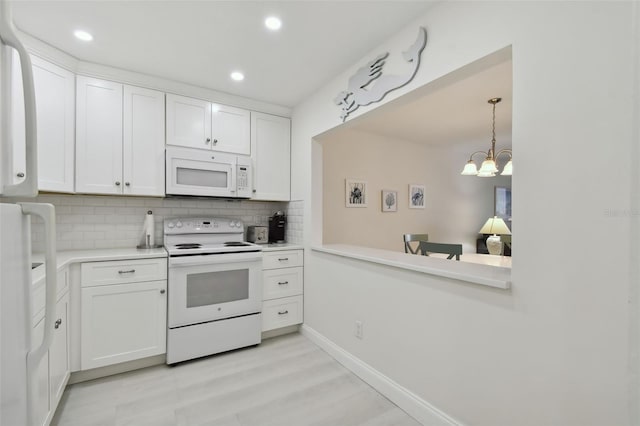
(243, 178)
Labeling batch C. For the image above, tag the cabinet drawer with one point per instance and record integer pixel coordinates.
(282, 283)
(280, 313)
(118, 272)
(282, 259)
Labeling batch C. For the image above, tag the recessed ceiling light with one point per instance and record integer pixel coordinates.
(83, 35)
(237, 76)
(273, 23)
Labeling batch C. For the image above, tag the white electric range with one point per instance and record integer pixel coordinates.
(215, 287)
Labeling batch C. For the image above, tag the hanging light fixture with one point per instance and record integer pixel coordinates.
(489, 167)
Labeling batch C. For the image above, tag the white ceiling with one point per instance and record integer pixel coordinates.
(201, 42)
(456, 114)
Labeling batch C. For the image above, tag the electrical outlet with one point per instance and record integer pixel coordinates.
(358, 331)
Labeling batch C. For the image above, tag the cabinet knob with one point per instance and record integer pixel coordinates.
(215, 141)
(208, 140)
(57, 323)
(254, 191)
(117, 183)
(127, 184)
(20, 175)
(162, 291)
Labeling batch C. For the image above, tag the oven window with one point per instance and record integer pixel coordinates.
(211, 288)
(200, 177)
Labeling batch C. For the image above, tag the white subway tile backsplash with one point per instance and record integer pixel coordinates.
(88, 222)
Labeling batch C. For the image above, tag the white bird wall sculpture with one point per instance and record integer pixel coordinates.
(358, 94)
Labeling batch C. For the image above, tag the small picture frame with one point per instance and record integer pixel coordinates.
(355, 193)
(416, 196)
(389, 200)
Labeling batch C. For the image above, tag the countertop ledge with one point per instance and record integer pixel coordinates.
(281, 246)
(487, 275)
(65, 258)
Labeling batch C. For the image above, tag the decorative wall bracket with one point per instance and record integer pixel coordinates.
(357, 93)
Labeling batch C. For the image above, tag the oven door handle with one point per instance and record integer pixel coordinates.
(215, 259)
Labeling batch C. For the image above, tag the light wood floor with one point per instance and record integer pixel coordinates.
(284, 381)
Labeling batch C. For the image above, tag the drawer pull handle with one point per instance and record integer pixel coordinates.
(282, 259)
(130, 271)
(57, 324)
(283, 282)
(283, 312)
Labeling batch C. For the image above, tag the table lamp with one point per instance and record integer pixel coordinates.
(495, 226)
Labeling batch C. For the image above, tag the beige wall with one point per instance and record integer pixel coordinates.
(455, 206)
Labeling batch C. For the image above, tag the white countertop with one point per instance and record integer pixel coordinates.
(492, 271)
(64, 258)
(281, 246)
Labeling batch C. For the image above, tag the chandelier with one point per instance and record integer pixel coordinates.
(489, 167)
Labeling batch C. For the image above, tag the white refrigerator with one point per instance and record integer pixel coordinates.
(20, 351)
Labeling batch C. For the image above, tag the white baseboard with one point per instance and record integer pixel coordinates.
(412, 404)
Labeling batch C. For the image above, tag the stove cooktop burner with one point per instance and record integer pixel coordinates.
(188, 246)
(236, 244)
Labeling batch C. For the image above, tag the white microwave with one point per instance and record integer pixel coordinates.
(207, 173)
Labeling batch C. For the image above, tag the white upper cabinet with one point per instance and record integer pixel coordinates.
(55, 109)
(195, 123)
(98, 136)
(230, 129)
(55, 106)
(188, 122)
(271, 157)
(119, 139)
(143, 141)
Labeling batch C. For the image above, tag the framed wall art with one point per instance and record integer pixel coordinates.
(389, 200)
(416, 196)
(356, 193)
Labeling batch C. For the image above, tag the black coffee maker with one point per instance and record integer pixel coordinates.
(277, 225)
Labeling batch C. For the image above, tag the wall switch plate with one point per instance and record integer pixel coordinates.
(358, 331)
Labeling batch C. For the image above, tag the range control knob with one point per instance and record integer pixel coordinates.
(170, 225)
(238, 224)
(232, 223)
(179, 224)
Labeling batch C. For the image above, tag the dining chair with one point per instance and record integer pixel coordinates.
(426, 247)
(413, 237)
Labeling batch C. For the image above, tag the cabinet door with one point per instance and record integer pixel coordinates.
(59, 353)
(143, 142)
(188, 122)
(40, 380)
(98, 136)
(230, 129)
(271, 156)
(122, 322)
(55, 106)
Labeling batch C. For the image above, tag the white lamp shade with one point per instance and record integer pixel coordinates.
(507, 171)
(470, 169)
(488, 168)
(495, 225)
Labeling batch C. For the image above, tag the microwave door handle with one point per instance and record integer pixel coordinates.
(29, 186)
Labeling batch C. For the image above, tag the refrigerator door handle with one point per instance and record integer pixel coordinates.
(48, 214)
(29, 186)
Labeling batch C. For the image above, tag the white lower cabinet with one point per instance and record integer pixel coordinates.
(282, 292)
(125, 320)
(52, 373)
(39, 388)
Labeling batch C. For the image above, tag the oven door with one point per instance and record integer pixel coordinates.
(198, 172)
(212, 287)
